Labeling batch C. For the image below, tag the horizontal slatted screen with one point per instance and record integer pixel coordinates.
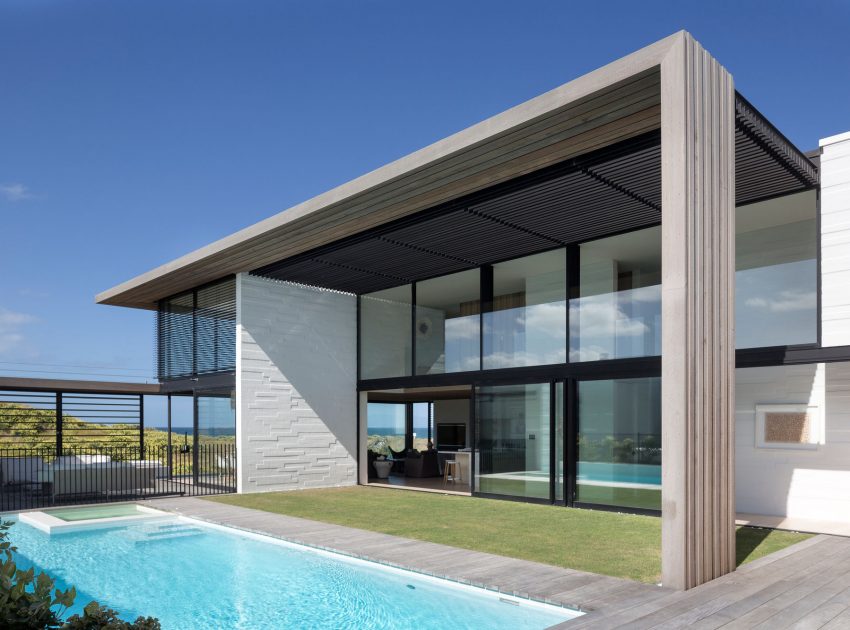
(605, 192)
(196, 332)
(27, 419)
(97, 420)
(175, 337)
(215, 324)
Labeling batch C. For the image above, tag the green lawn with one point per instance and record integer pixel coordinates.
(622, 545)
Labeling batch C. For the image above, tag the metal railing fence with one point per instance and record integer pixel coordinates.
(34, 477)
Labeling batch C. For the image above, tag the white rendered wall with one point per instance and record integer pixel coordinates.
(296, 386)
(835, 239)
(812, 484)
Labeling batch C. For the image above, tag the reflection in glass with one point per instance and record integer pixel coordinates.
(386, 426)
(776, 272)
(385, 333)
(619, 443)
(513, 440)
(618, 312)
(559, 441)
(217, 416)
(528, 323)
(448, 323)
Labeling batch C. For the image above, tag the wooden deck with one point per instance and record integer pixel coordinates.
(804, 586)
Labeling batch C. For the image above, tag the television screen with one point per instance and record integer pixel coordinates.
(451, 437)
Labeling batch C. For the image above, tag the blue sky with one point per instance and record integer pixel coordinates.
(134, 132)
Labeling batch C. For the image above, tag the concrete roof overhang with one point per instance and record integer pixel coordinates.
(616, 103)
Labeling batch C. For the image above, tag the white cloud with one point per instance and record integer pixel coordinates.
(15, 192)
(10, 325)
(601, 316)
(785, 301)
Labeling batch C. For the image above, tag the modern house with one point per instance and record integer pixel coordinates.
(634, 259)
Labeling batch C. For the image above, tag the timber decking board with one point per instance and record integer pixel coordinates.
(803, 586)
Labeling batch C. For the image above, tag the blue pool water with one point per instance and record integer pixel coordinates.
(191, 575)
(619, 473)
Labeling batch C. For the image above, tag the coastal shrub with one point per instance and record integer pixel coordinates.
(30, 601)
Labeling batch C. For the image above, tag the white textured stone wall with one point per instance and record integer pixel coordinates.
(813, 484)
(296, 386)
(835, 239)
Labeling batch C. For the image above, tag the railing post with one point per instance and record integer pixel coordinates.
(58, 423)
(170, 456)
(141, 426)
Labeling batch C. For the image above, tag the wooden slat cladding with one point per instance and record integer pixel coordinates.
(698, 280)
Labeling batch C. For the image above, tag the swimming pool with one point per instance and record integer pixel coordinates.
(194, 575)
(645, 476)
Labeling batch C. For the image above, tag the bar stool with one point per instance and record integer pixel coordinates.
(450, 469)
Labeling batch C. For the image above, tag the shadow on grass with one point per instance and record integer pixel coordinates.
(747, 540)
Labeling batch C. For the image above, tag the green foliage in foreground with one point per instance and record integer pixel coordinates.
(28, 601)
(620, 545)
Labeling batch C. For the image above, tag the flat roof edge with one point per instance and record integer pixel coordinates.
(12, 383)
(618, 70)
(841, 137)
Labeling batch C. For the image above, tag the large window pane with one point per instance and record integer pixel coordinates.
(528, 323)
(513, 440)
(448, 323)
(776, 278)
(619, 443)
(217, 416)
(385, 427)
(618, 312)
(385, 333)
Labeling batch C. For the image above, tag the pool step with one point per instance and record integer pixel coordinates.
(154, 537)
(171, 533)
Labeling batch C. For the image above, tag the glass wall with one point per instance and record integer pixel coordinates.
(618, 312)
(448, 323)
(619, 442)
(513, 440)
(423, 425)
(385, 333)
(528, 322)
(217, 416)
(386, 425)
(776, 277)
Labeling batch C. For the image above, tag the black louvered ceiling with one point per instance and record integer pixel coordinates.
(609, 191)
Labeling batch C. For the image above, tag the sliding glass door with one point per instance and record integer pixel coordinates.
(590, 442)
(619, 443)
(514, 440)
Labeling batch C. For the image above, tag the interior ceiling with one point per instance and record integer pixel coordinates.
(611, 190)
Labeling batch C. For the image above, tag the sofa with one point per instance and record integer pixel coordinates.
(421, 464)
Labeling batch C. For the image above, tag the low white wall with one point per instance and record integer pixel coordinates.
(835, 239)
(813, 484)
(296, 386)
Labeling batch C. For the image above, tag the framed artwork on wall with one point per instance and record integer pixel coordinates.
(789, 426)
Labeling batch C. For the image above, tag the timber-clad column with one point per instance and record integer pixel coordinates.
(698, 297)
